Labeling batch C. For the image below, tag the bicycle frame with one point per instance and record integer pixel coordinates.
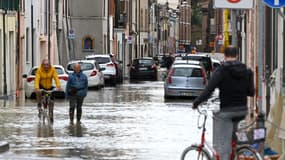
(46, 103)
(209, 148)
(205, 143)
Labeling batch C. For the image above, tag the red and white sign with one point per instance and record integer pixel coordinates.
(234, 1)
(233, 4)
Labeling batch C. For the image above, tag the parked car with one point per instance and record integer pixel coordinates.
(186, 62)
(185, 80)
(30, 78)
(105, 61)
(205, 60)
(91, 69)
(216, 63)
(143, 68)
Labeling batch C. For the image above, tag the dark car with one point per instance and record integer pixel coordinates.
(143, 68)
(205, 60)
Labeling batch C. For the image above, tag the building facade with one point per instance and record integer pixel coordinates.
(8, 46)
(89, 28)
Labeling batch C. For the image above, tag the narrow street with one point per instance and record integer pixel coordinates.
(127, 122)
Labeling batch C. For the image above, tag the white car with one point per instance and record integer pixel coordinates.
(30, 79)
(105, 61)
(92, 70)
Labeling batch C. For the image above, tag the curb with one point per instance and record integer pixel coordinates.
(4, 146)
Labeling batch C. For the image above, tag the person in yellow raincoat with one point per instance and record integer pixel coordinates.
(44, 76)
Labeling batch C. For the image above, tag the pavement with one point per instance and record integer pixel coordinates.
(4, 146)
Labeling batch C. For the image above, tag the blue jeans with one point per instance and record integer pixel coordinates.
(222, 132)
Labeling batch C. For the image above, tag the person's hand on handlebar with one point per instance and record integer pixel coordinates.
(59, 89)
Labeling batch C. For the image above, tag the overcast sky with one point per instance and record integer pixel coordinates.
(172, 3)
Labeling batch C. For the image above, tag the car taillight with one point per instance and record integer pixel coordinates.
(169, 77)
(204, 76)
(65, 78)
(110, 65)
(93, 73)
(30, 79)
(153, 66)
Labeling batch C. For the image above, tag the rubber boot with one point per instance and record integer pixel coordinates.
(78, 116)
(71, 117)
(40, 110)
(51, 113)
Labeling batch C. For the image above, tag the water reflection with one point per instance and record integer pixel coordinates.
(76, 130)
(44, 130)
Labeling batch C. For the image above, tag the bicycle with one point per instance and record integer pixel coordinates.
(47, 102)
(204, 151)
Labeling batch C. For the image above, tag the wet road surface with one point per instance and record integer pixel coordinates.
(127, 122)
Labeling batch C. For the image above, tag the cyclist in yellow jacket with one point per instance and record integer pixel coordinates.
(44, 76)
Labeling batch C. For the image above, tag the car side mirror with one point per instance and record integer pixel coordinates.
(25, 76)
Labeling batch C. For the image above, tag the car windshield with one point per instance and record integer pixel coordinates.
(187, 72)
(145, 61)
(206, 62)
(84, 66)
(58, 70)
(101, 60)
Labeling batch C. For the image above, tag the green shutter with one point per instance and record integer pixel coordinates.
(9, 4)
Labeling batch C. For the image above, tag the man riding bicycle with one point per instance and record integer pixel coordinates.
(235, 83)
(44, 76)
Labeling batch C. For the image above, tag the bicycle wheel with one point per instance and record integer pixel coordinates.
(195, 153)
(245, 152)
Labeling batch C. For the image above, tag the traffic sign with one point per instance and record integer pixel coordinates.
(71, 34)
(233, 4)
(130, 39)
(275, 3)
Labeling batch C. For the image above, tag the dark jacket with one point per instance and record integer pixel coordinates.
(235, 83)
(79, 81)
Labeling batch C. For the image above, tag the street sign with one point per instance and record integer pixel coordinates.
(130, 40)
(233, 4)
(71, 34)
(275, 3)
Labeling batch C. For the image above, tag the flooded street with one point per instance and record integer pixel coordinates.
(127, 122)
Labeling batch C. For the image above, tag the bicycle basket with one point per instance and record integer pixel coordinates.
(252, 136)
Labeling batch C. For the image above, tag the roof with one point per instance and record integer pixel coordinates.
(84, 60)
(178, 61)
(186, 65)
(55, 65)
(97, 55)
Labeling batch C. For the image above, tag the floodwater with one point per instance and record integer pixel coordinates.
(131, 121)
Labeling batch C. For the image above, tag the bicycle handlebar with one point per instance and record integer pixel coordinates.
(47, 91)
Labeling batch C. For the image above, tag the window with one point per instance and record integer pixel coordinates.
(88, 44)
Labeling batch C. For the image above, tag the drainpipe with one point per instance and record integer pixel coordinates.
(32, 33)
(49, 30)
(243, 46)
(18, 49)
(260, 62)
(139, 32)
(5, 54)
(108, 27)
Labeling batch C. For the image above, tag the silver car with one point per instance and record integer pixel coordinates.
(185, 80)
